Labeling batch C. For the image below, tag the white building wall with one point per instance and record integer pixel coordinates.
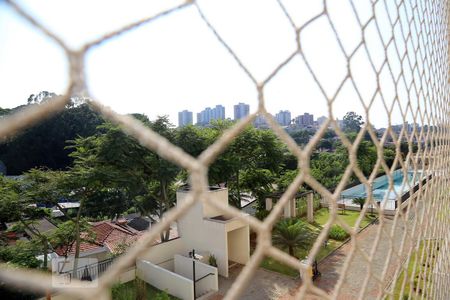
(165, 280)
(204, 235)
(239, 245)
(217, 196)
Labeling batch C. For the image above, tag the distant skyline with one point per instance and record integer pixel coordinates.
(176, 63)
(283, 117)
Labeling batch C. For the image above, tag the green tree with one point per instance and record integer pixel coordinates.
(291, 234)
(43, 145)
(21, 254)
(352, 122)
(389, 156)
(116, 169)
(4, 111)
(252, 150)
(360, 200)
(194, 140)
(367, 157)
(16, 206)
(328, 168)
(302, 136)
(65, 235)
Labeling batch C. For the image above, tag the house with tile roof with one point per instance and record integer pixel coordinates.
(111, 238)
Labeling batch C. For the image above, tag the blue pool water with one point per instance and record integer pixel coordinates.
(381, 190)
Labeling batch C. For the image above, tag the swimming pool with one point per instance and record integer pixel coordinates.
(380, 188)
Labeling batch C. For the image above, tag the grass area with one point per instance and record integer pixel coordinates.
(349, 216)
(320, 218)
(271, 264)
(417, 285)
(131, 289)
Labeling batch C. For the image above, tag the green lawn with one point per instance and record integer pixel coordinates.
(349, 216)
(320, 218)
(128, 291)
(273, 265)
(408, 289)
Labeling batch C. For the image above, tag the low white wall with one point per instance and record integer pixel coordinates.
(165, 280)
(162, 254)
(183, 266)
(128, 275)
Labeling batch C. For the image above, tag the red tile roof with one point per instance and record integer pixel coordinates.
(109, 235)
(115, 237)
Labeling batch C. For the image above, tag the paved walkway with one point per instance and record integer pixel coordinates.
(264, 285)
(359, 267)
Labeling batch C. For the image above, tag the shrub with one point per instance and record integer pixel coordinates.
(338, 233)
(123, 291)
(262, 214)
(162, 296)
(212, 261)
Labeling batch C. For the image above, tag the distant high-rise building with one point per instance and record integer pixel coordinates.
(241, 110)
(184, 118)
(305, 120)
(218, 113)
(209, 114)
(260, 122)
(321, 120)
(283, 117)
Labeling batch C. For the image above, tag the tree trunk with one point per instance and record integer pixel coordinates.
(361, 206)
(166, 234)
(78, 238)
(45, 252)
(291, 251)
(238, 189)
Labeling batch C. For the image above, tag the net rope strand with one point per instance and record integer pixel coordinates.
(416, 60)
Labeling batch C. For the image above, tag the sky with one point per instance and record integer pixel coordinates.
(176, 63)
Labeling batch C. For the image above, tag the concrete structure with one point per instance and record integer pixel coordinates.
(169, 266)
(241, 110)
(260, 122)
(184, 118)
(321, 120)
(178, 278)
(310, 207)
(209, 114)
(304, 120)
(204, 117)
(218, 113)
(283, 117)
(290, 209)
(205, 228)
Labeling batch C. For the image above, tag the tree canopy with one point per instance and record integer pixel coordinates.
(352, 122)
(43, 145)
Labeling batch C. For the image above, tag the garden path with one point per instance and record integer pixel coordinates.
(359, 267)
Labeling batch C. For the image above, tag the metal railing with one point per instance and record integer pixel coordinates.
(90, 272)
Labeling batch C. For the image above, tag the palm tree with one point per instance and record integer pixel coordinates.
(360, 201)
(291, 234)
